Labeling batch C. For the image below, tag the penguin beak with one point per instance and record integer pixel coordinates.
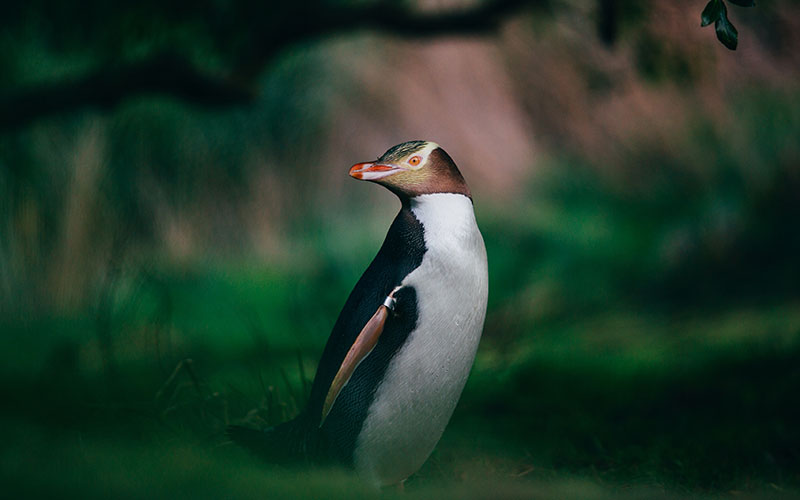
(372, 171)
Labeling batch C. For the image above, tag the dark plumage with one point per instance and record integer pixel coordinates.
(302, 439)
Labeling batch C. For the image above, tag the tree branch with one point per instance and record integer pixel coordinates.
(106, 87)
(172, 75)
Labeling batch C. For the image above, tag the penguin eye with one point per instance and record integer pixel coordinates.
(414, 160)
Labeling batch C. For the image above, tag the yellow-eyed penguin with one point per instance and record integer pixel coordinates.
(401, 350)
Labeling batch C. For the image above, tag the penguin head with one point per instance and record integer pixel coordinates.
(413, 168)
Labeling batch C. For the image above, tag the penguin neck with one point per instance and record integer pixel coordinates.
(444, 216)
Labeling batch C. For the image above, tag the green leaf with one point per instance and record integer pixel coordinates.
(744, 3)
(711, 13)
(726, 32)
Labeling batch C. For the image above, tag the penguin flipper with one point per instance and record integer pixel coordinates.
(361, 348)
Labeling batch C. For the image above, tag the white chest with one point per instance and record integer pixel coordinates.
(424, 380)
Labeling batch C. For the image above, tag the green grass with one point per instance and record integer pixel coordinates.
(641, 341)
(622, 402)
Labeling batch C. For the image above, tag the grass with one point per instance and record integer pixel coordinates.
(622, 402)
(640, 342)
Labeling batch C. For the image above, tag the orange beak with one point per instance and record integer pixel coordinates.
(372, 171)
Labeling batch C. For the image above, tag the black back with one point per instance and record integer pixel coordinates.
(401, 253)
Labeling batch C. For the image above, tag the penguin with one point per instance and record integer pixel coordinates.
(399, 354)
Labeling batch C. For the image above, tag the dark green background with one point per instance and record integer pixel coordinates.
(167, 267)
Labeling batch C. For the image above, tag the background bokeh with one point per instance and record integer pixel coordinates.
(169, 266)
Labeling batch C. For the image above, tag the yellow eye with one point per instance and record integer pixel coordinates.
(414, 160)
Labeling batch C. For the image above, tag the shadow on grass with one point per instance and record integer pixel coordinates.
(728, 424)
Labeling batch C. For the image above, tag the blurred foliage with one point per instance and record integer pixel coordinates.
(682, 231)
(166, 271)
(641, 338)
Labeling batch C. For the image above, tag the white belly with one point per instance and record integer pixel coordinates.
(424, 380)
